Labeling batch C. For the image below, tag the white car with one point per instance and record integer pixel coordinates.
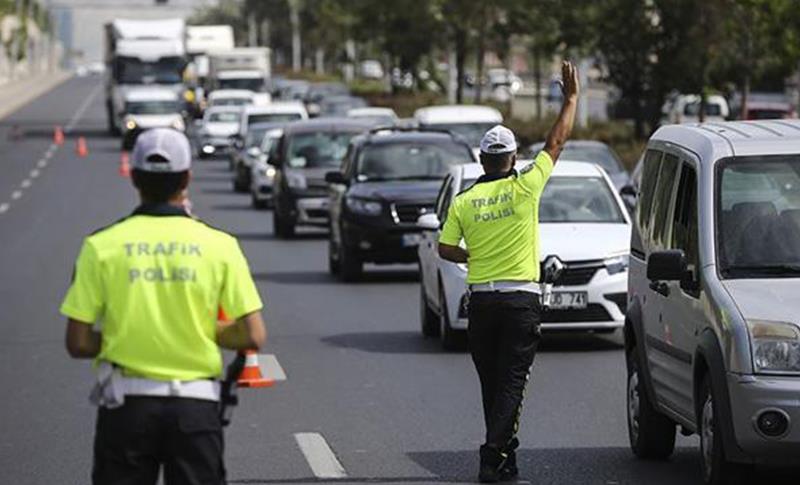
(583, 222)
(218, 126)
(686, 109)
(230, 97)
(381, 116)
(278, 112)
(147, 108)
(262, 174)
(470, 122)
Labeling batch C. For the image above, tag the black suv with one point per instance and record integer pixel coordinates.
(389, 178)
(306, 151)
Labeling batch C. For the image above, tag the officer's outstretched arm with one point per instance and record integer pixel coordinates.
(247, 333)
(455, 254)
(82, 341)
(562, 128)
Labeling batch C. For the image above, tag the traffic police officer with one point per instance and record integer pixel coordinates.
(144, 302)
(498, 220)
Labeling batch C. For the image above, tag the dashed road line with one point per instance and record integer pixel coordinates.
(25, 184)
(42, 163)
(320, 457)
(82, 109)
(16, 194)
(4, 208)
(271, 368)
(35, 173)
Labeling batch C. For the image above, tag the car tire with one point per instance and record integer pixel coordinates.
(258, 203)
(451, 338)
(429, 320)
(351, 267)
(717, 470)
(651, 434)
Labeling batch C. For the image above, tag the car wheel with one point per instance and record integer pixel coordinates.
(350, 265)
(239, 184)
(717, 470)
(333, 262)
(451, 339)
(428, 318)
(651, 434)
(258, 203)
(277, 225)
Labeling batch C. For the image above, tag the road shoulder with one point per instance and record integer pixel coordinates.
(16, 94)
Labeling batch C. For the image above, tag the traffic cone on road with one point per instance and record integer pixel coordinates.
(58, 135)
(251, 374)
(80, 147)
(124, 165)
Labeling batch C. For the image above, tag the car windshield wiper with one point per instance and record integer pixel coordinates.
(768, 269)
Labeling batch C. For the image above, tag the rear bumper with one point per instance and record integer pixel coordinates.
(382, 245)
(750, 396)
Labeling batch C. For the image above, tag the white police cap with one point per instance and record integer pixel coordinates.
(498, 140)
(162, 150)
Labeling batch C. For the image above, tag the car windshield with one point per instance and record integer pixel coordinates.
(693, 109)
(410, 161)
(151, 107)
(254, 137)
(598, 155)
(269, 140)
(758, 217)
(231, 101)
(224, 117)
(471, 132)
(321, 149)
(273, 117)
(252, 84)
(167, 70)
(579, 200)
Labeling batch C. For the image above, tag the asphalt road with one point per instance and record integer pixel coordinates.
(390, 406)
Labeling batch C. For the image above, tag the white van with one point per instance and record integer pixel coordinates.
(468, 121)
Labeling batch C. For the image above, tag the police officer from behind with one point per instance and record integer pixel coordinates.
(144, 302)
(498, 220)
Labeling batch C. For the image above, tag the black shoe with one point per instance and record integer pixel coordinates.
(492, 461)
(509, 471)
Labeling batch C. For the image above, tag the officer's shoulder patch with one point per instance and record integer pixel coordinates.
(527, 168)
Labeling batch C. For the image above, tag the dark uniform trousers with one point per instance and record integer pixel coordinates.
(133, 441)
(503, 337)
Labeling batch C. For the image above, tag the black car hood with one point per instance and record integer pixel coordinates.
(398, 191)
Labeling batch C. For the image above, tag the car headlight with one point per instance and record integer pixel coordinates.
(617, 264)
(776, 346)
(364, 206)
(296, 181)
(130, 124)
(269, 172)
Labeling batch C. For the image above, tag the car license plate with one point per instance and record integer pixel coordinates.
(410, 240)
(562, 300)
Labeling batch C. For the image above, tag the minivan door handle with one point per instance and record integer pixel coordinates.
(660, 287)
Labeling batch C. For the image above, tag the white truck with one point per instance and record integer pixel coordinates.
(200, 41)
(240, 68)
(142, 52)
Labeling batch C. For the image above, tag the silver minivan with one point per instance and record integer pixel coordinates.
(712, 333)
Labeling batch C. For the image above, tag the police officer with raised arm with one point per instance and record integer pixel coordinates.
(144, 302)
(499, 222)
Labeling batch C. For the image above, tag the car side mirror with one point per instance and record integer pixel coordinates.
(335, 178)
(628, 190)
(428, 222)
(666, 265)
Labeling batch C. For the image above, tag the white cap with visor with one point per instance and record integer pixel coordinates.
(498, 140)
(161, 150)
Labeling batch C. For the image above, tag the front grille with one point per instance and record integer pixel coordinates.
(409, 213)
(594, 312)
(576, 274)
(317, 213)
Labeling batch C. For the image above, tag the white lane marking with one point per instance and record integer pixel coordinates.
(35, 173)
(4, 207)
(42, 163)
(82, 109)
(25, 184)
(271, 368)
(50, 151)
(16, 194)
(319, 456)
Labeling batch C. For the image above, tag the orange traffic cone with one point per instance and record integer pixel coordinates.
(124, 165)
(251, 374)
(80, 148)
(58, 135)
